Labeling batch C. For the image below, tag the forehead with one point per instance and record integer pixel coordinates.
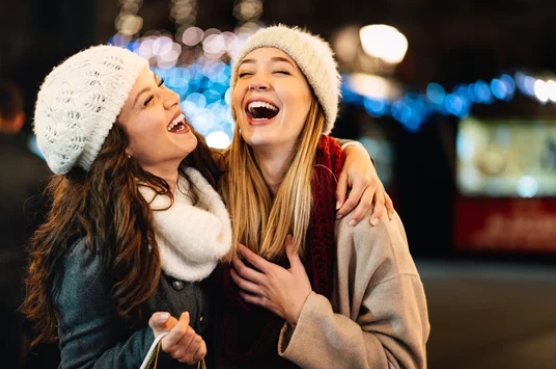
(144, 77)
(268, 54)
(143, 81)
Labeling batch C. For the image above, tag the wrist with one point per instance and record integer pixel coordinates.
(294, 318)
(357, 146)
(353, 144)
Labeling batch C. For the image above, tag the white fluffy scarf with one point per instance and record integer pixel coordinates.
(191, 238)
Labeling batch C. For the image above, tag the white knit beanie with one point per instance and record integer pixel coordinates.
(313, 56)
(79, 102)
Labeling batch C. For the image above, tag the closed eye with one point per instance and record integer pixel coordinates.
(241, 75)
(282, 72)
(150, 98)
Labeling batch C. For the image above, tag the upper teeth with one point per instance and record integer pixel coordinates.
(261, 104)
(177, 120)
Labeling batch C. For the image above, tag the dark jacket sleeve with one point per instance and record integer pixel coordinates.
(90, 334)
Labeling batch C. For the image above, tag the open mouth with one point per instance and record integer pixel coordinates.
(259, 110)
(177, 124)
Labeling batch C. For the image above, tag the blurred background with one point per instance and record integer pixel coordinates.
(455, 101)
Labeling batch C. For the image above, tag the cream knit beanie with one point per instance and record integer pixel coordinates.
(313, 56)
(79, 102)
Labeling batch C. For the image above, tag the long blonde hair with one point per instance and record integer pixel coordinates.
(260, 221)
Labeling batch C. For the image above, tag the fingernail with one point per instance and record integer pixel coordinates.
(352, 222)
(337, 205)
(164, 317)
(338, 216)
(374, 221)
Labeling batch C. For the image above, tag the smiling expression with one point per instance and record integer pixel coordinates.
(271, 99)
(159, 135)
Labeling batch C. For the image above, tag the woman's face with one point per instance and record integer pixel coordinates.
(271, 99)
(159, 136)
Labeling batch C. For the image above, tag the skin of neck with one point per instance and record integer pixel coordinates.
(274, 163)
(168, 172)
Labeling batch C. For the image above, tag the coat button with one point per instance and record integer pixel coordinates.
(178, 285)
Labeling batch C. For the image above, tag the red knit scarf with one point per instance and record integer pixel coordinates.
(247, 335)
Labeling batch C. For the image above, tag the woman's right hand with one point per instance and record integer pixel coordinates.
(181, 342)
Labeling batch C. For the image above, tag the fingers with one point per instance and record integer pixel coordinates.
(353, 199)
(161, 322)
(341, 190)
(158, 320)
(246, 272)
(379, 207)
(182, 343)
(200, 353)
(251, 292)
(187, 349)
(244, 284)
(363, 207)
(389, 205)
(255, 260)
(255, 299)
(177, 333)
(361, 203)
(292, 255)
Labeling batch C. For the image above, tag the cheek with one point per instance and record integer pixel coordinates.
(302, 103)
(136, 141)
(304, 94)
(147, 129)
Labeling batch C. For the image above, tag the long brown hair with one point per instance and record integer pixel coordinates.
(105, 207)
(260, 221)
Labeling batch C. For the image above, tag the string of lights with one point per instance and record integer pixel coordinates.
(128, 23)
(202, 77)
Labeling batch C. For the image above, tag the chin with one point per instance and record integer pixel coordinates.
(258, 137)
(257, 141)
(191, 142)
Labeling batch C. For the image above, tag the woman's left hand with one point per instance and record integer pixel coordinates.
(282, 291)
(360, 179)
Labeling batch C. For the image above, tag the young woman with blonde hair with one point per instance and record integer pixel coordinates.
(305, 289)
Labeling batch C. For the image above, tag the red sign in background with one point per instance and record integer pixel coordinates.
(506, 224)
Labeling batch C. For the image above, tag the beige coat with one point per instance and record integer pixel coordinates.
(378, 315)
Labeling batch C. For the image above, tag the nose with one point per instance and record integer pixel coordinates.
(258, 85)
(170, 98)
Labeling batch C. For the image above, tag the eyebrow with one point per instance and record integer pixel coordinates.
(146, 89)
(274, 59)
(141, 93)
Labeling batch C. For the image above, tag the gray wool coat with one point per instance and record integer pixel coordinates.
(90, 333)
